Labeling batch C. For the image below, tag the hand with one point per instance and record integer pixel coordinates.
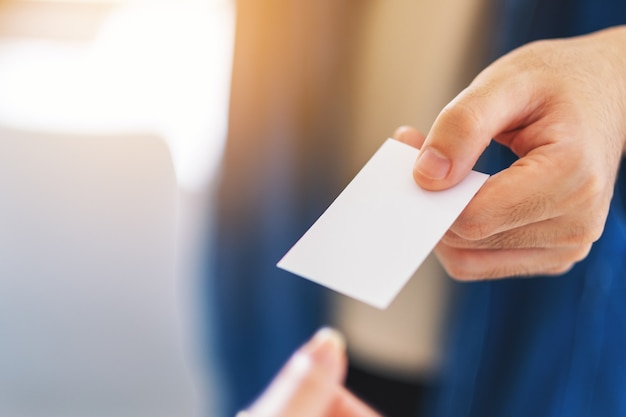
(310, 384)
(560, 105)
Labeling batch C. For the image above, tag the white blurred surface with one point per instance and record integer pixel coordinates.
(97, 325)
(92, 321)
(161, 67)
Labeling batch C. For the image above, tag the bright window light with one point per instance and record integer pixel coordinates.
(155, 66)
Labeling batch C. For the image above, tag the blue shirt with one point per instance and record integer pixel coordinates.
(544, 346)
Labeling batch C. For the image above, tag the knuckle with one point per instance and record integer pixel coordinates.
(588, 234)
(471, 227)
(594, 189)
(595, 233)
(462, 117)
(569, 259)
(581, 252)
(594, 230)
(573, 234)
(583, 233)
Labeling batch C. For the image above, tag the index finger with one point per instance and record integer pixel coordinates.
(535, 188)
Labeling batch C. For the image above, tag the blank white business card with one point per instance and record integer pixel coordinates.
(375, 235)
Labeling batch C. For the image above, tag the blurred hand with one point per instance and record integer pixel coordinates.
(560, 105)
(310, 384)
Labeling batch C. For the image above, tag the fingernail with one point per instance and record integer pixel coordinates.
(432, 164)
(401, 131)
(327, 346)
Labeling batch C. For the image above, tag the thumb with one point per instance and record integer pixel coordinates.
(307, 385)
(492, 104)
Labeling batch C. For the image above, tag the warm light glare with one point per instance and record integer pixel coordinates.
(161, 67)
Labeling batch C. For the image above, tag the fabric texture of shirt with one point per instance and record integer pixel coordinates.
(544, 346)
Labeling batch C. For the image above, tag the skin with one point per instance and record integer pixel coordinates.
(560, 105)
(311, 384)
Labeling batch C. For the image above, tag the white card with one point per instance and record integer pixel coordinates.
(375, 235)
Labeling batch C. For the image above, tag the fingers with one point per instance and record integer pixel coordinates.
(541, 215)
(527, 220)
(478, 264)
(310, 384)
(466, 125)
(307, 385)
(546, 189)
(553, 233)
(410, 136)
(347, 405)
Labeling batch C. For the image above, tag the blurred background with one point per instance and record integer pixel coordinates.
(158, 157)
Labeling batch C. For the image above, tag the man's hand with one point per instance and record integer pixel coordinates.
(310, 384)
(560, 105)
